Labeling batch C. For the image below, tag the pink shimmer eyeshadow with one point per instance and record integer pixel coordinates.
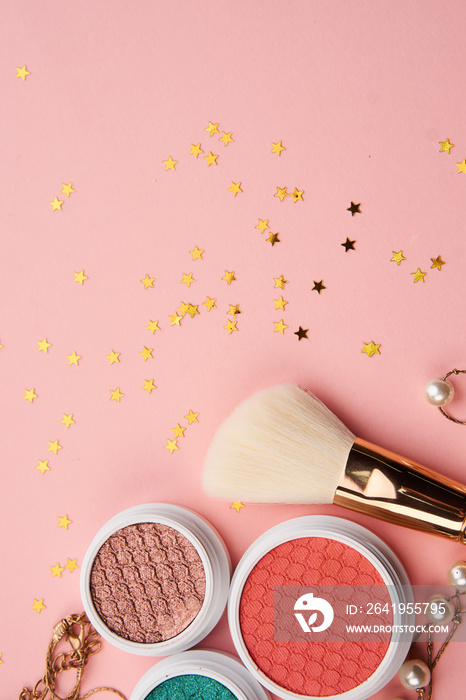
(147, 582)
(317, 669)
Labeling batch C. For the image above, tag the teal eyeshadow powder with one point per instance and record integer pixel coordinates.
(191, 687)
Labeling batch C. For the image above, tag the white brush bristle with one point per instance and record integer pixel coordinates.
(282, 445)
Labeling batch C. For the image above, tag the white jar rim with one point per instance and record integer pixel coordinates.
(215, 560)
(374, 550)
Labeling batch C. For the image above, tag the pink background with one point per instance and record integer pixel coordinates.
(360, 93)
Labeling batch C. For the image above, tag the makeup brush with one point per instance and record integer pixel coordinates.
(283, 445)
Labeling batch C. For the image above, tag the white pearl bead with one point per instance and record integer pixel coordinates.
(414, 674)
(439, 392)
(456, 574)
(440, 609)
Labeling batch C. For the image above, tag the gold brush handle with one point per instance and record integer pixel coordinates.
(382, 484)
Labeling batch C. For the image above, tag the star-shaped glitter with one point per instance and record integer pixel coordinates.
(172, 445)
(297, 195)
(146, 353)
(38, 605)
(149, 385)
(153, 326)
(43, 466)
(196, 253)
(183, 309)
(209, 303)
(116, 395)
(398, 257)
(237, 505)
(231, 326)
(354, 208)
(280, 282)
(371, 348)
(30, 395)
(212, 128)
(437, 262)
(279, 326)
(302, 333)
(462, 166)
(277, 148)
(446, 146)
(64, 521)
(43, 345)
(193, 310)
(281, 193)
(226, 137)
(280, 303)
(273, 238)
(262, 225)
(318, 286)
(195, 150)
(67, 420)
(187, 279)
(419, 275)
(56, 204)
(67, 189)
(80, 277)
(57, 570)
(22, 72)
(71, 565)
(113, 357)
(348, 245)
(235, 188)
(234, 309)
(73, 359)
(211, 159)
(178, 431)
(148, 282)
(54, 446)
(170, 163)
(229, 276)
(175, 320)
(191, 417)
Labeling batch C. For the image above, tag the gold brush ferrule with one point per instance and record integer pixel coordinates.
(382, 484)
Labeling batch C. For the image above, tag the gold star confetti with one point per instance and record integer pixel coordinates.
(22, 72)
(178, 431)
(462, 166)
(175, 320)
(446, 146)
(1, 659)
(297, 195)
(171, 445)
(73, 359)
(226, 137)
(149, 385)
(262, 225)
(56, 570)
(229, 276)
(43, 466)
(71, 565)
(64, 521)
(277, 148)
(211, 159)
(80, 277)
(153, 326)
(191, 417)
(30, 395)
(146, 353)
(148, 282)
(419, 275)
(234, 309)
(113, 357)
(54, 446)
(170, 163)
(231, 326)
(187, 279)
(43, 345)
(237, 505)
(398, 257)
(195, 150)
(209, 303)
(302, 333)
(318, 286)
(279, 327)
(67, 189)
(348, 245)
(235, 188)
(196, 253)
(273, 238)
(56, 204)
(67, 420)
(281, 193)
(212, 128)
(38, 605)
(280, 303)
(116, 395)
(280, 282)
(438, 262)
(371, 348)
(193, 310)
(354, 208)
(183, 309)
